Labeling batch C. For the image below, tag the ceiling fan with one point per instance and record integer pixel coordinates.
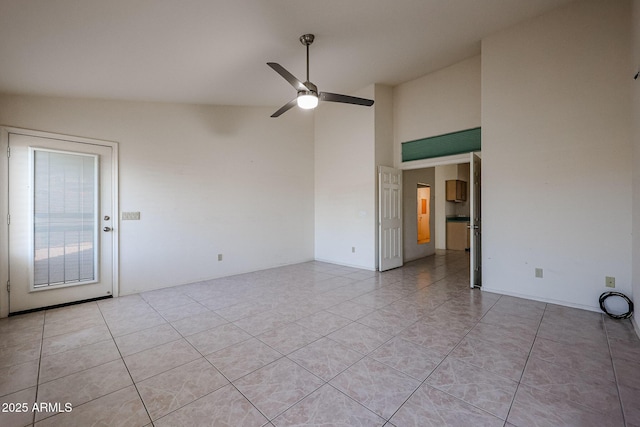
(308, 94)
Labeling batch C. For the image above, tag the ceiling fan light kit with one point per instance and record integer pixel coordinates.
(307, 101)
(308, 94)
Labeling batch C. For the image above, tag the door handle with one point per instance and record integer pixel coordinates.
(107, 229)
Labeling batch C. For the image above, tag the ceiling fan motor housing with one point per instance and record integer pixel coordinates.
(312, 88)
(307, 39)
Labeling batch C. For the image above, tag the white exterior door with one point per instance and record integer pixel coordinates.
(476, 221)
(61, 220)
(390, 218)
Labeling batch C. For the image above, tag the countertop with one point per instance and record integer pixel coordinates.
(457, 218)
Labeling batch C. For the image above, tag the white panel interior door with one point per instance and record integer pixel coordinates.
(475, 224)
(61, 221)
(390, 218)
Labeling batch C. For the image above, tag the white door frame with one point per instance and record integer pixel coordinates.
(442, 161)
(4, 208)
(475, 225)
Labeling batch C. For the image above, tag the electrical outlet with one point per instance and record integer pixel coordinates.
(539, 273)
(219, 257)
(353, 249)
(610, 282)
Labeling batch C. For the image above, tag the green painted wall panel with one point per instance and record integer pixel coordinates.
(464, 141)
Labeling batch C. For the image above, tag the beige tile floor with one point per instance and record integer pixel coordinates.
(320, 344)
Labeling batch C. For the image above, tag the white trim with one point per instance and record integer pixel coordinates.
(4, 228)
(359, 267)
(436, 161)
(484, 288)
(4, 212)
(473, 205)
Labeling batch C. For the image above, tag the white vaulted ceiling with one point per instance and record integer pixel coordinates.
(215, 51)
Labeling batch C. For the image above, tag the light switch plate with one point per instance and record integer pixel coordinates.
(130, 216)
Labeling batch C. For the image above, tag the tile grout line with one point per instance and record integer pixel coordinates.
(285, 356)
(204, 356)
(44, 320)
(64, 376)
(126, 367)
(55, 379)
(424, 382)
(182, 337)
(526, 363)
(580, 404)
(615, 372)
(324, 382)
(476, 367)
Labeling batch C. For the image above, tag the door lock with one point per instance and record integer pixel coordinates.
(107, 229)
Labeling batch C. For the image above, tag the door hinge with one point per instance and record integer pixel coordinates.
(8, 286)
(8, 219)
(8, 151)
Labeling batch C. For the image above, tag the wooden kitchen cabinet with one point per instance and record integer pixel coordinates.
(456, 190)
(457, 235)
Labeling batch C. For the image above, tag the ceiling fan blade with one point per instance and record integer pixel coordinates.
(286, 107)
(345, 99)
(293, 81)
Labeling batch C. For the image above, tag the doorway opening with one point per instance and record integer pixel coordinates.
(423, 203)
(447, 168)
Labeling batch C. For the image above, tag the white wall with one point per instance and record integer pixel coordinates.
(441, 102)
(636, 158)
(345, 182)
(556, 149)
(206, 180)
(350, 142)
(383, 113)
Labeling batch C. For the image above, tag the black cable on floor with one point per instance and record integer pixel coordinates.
(626, 315)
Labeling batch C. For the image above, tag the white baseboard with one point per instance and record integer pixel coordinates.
(547, 300)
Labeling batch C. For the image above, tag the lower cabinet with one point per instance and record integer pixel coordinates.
(457, 235)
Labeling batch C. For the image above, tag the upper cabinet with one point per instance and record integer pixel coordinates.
(456, 190)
